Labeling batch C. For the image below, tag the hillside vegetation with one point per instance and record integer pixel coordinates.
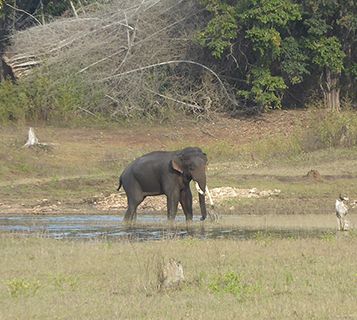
(119, 60)
(115, 60)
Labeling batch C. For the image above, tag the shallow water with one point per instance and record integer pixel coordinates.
(148, 227)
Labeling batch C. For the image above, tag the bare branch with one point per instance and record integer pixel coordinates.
(73, 9)
(101, 60)
(25, 12)
(190, 105)
(174, 62)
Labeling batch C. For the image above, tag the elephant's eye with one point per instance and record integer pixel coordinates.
(191, 167)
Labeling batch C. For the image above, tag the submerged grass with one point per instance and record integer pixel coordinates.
(256, 279)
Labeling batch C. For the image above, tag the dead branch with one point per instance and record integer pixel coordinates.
(119, 48)
(73, 9)
(25, 12)
(190, 105)
(175, 62)
(101, 60)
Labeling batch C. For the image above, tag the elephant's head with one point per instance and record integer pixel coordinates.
(191, 163)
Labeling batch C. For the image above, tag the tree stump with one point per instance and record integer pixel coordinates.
(32, 141)
(170, 275)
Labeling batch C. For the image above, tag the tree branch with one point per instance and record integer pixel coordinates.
(174, 62)
(25, 12)
(192, 106)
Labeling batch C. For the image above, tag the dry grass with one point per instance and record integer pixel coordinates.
(257, 279)
(264, 278)
(85, 163)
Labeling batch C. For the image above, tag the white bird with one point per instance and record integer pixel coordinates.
(341, 212)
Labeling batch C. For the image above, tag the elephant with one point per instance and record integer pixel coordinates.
(169, 173)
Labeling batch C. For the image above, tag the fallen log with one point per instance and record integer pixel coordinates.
(15, 67)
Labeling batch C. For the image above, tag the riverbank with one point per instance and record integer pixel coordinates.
(80, 170)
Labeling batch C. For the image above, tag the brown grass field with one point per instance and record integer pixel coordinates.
(264, 278)
(267, 277)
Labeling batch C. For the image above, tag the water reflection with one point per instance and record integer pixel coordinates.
(148, 227)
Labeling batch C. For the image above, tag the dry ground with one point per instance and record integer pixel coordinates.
(83, 165)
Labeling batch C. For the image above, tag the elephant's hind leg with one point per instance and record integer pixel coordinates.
(135, 197)
(133, 204)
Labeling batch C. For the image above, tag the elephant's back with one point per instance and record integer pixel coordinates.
(148, 163)
(153, 160)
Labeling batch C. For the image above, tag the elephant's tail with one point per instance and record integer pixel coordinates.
(119, 184)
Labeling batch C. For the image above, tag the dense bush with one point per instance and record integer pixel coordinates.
(42, 99)
(331, 130)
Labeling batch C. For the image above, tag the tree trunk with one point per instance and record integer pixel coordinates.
(331, 91)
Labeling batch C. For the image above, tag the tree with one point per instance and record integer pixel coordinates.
(280, 44)
(257, 29)
(331, 37)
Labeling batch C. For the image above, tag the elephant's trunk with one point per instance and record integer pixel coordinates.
(201, 183)
(202, 200)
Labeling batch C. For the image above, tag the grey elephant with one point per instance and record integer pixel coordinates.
(169, 173)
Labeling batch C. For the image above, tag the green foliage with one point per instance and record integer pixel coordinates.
(262, 24)
(292, 39)
(276, 13)
(264, 239)
(266, 89)
(231, 282)
(327, 53)
(289, 278)
(316, 26)
(266, 41)
(294, 62)
(222, 150)
(62, 281)
(55, 8)
(22, 287)
(13, 103)
(353, 71)
(221, 29)
(42, 98)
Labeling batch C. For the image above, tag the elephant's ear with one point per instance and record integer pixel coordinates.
(177, 164)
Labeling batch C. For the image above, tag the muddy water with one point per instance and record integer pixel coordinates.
(148, 227)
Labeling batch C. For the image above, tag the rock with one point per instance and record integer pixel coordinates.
(253, 190)
(158, 203)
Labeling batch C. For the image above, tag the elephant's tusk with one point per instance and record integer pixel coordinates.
(199, 190)
(209, 197)
(213, 215)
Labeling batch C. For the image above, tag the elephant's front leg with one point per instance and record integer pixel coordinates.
(186, 202)
(172, 203)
